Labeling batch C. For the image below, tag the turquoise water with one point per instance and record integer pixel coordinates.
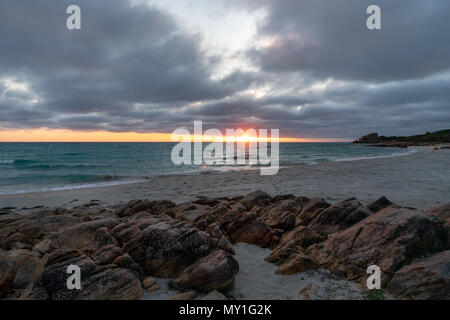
(29, 167)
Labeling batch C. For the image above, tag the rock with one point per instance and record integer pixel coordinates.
(379, 204)
(214, 272)
(311, 209)
(97, 282)
(136, 206)
(281, 215)
(442, 213)
(27, 263)
(369, 138)
(293, 242)
(298, 263)
(339, 216)
(424, 279)
(214, 295)
(165, 248)
(8, 272)
(107, 254)
(150, 284)
(309, 292)
(184, 296)
(389, 238)
(256, 198)
(247, 227)
(43, 247)
(206, 201)
(133, 207)
(284, 221)
(88, 236)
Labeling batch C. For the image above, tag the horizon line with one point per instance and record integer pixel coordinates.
(45, 135)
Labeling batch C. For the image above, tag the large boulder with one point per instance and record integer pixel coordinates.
(97, 282)
(166, 247)
(88, 237)
(427, 278)
(213, 272)
(390, 238)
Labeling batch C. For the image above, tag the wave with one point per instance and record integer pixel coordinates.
(62, 166)
(70, 187)
(395, 154)
(7, 161)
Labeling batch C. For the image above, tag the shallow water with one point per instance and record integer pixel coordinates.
(28, 167)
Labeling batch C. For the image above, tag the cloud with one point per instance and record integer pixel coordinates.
(124, 55)
(317, 72)
(330, 39)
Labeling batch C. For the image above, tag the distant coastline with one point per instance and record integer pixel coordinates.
(427, 139)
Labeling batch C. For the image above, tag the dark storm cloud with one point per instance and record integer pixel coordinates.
(135, 68)
(122, 56)
(330, 39)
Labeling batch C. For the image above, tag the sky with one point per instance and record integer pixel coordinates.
(139, 69)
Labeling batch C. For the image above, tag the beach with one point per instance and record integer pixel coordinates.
(420, 180)
(310, 234)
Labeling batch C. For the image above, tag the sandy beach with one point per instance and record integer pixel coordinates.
(420, 180)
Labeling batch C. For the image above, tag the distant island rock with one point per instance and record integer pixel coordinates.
(427, 139)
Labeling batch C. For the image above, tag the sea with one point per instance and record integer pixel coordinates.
(40, 167)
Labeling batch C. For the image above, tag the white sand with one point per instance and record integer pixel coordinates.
(420, 180)
(257, 280)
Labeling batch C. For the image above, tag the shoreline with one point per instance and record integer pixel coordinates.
(420, 179)
(205, 171)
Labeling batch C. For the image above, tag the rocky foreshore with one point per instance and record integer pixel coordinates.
(121, 250)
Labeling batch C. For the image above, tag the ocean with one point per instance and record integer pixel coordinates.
(35, 167)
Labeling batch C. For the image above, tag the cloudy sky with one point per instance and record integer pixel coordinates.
(308, 67)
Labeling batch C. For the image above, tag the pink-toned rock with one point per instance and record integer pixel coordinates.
(213, 272)
(297, 263)
(427, 278)
(294, 242)
(247, 227)
(339, 216)
(389, 238)
(442, 212)
(311, 209)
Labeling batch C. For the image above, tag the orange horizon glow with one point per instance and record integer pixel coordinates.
(60, 135)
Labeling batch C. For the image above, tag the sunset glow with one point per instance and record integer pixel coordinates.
(57, 135)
